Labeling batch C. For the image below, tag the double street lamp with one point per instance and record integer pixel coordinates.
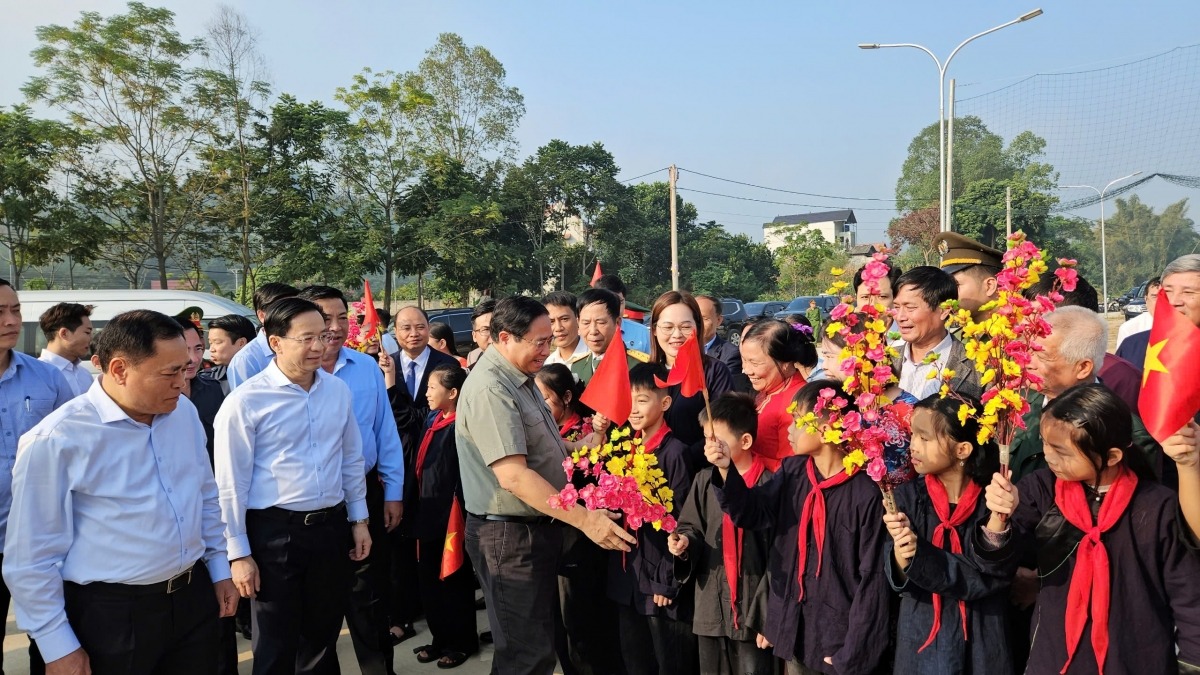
(1103, 246)
(943, 171)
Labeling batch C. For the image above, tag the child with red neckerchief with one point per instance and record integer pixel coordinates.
(1118, 582)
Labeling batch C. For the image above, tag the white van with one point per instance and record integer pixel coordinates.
(109, 303)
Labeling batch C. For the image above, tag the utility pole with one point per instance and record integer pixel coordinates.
(672, 178)
(1007, 211)
(949, 226)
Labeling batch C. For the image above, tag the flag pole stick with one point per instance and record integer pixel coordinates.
(708, 412)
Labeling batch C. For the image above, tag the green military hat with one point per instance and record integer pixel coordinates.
(959, 253)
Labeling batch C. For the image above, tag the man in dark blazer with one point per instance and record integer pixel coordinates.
(414, 362)
(717, 347)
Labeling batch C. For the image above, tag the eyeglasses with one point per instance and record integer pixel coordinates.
(685, 329)
(482, 329)
(539, 345)
(328, 337)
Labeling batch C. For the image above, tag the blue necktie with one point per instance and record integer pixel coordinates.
(411, 380)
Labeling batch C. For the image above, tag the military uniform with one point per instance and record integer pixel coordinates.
(958, 253)
(585, 367)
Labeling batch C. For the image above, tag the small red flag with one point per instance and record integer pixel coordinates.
(1171, 375)
(596, 277)
(370, 325)
(688, 372)
(609, 393)
(452, 553)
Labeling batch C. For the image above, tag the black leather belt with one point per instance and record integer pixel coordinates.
(317, 517)
(527, 520)
(176, 583)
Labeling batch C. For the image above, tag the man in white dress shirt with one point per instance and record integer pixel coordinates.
(68, 330)
(291, 474)
(251, 359)
(569, 346)
(115, 542)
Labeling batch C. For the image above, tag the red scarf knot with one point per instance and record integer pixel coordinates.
(947, 525)
(731, 541)
(440, 422)
(1090, 580)
(813, 513)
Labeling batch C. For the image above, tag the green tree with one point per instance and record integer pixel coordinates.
(640, 250)
(726, 265)
(979, 154)
(1141, 242)
(232, 86)
(124, 78)
(474, 113)
(802, 260)
(31, 207)
(1075, 238)
(981, 211)
(379, 154)
(917, 231)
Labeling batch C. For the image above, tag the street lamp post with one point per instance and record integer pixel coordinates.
(943, 170)
(1103, 244)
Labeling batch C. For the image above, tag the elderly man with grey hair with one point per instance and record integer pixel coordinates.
(1072, 354)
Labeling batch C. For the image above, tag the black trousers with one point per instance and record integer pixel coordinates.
(404, 605)
(127, 630)
(588, 619)
(304, 573)
(367, 615)
(449, 603)
(656, 645)
(517, 564)
(724, 656)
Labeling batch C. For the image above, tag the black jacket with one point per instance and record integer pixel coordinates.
(731, 356)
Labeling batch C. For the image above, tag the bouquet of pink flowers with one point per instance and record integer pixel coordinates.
(626, 479)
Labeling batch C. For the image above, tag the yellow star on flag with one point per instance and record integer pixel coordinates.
(451, 535)
(1152, 361)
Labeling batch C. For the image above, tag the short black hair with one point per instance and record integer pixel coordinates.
(4, 282)
(562, 299)
(484, 308)
(784, 343)
(933, 284)
(612, 303)
(133, 336)
(985, 458)
(185, 319)
(735, 410)
(612, 282)
(385, 317)
(281, 314)
(1099, 421)
(893, 276)
(69, 315)
(1084, 295)
(515, 314)
(560, 380)
(449, 375)
(317, 292)
(236, 325)
(642, 376)
(268, 293)
(440, 330)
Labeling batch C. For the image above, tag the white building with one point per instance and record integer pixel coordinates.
(835, 226)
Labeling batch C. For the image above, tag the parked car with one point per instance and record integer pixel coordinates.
(765, 308)
(733, 314)
(108, 303)
(459, 320)
(1137, 303)
(799, 305)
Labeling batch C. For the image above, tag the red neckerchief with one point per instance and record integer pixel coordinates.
(813, 511)
(651, 444)
(731, 540)
(440, 422)
(946, 524)
(566, 427)
(1090, 580)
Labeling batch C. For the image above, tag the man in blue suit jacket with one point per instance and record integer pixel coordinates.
(717, 347)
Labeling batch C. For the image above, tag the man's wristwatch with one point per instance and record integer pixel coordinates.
(364, 521)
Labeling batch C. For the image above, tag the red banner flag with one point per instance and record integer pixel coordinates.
(1171, 375)
(688, 372)
(370, 325)
(596, 277)
(609, 392)
(456, 534)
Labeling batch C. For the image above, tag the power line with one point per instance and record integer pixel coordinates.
(648, 173)
(768, 201)
(791, 192)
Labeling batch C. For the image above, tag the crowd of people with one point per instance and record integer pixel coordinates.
(160, 510)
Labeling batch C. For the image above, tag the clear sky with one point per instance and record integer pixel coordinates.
(771, 93)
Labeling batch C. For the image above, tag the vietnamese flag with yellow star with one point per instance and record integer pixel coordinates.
(1171, 375)
(456, 532)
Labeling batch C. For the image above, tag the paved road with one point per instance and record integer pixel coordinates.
(16, 658)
